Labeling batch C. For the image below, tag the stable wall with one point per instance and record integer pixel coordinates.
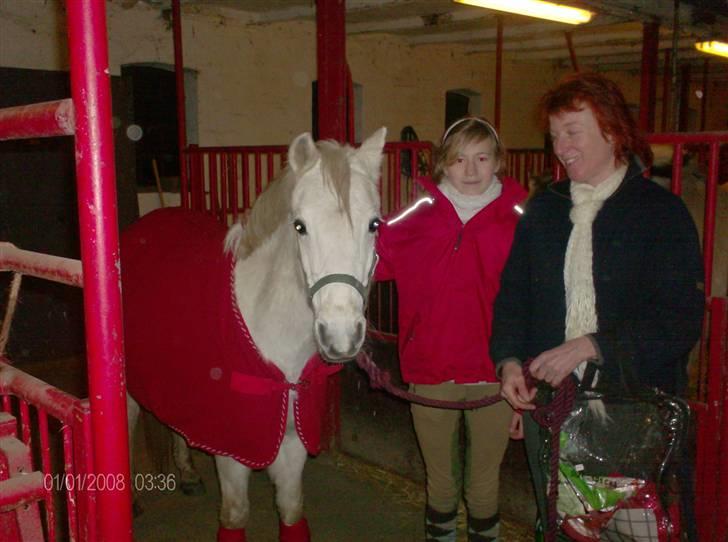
(254, 81)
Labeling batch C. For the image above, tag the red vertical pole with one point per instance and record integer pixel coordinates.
(711, 194)
(719, 314)
(96, 179)
(331, 69)
(179, 77)
(648, 86)
(572, 52)
(498, 73)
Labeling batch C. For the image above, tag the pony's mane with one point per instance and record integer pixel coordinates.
(336, 172)
(273, 205)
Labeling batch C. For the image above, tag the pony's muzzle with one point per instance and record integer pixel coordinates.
(338, 340)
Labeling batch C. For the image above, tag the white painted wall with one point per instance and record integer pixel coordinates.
(254, 81)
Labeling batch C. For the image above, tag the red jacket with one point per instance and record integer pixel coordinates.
(447, 276)
(190, 358)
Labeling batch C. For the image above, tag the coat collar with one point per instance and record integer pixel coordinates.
(511, 196)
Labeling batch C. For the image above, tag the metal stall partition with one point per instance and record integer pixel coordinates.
(88, 116)
(524, 164)
(33, 412)
(710, 375)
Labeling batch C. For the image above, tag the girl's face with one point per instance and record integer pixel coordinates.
(472, 171)
(579, 144)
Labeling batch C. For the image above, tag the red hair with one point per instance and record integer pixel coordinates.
(609, 106)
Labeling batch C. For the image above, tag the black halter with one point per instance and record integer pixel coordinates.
(344, 278)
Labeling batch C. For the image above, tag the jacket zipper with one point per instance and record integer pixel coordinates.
(459, 239)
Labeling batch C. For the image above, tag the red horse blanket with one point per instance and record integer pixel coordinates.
(189, 355)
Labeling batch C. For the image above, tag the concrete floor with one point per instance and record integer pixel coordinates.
(346, 501)
(349, 496)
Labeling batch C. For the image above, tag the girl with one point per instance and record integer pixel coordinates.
(445, 253)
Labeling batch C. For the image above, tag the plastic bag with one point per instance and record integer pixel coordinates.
(611, 468)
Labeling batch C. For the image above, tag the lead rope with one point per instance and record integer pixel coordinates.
(549, 416)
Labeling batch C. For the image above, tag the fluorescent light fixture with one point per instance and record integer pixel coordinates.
(535, 8)
(719, 48)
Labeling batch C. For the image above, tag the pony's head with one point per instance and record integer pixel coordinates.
(335, 215)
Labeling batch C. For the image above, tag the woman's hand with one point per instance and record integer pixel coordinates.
(515, 431)
(552, 366)
(513, 387)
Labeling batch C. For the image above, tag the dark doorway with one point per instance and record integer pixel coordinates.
(38, 212)
(457, 106)
(154, 117)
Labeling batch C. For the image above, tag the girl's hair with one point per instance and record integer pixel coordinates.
(461, 133)
(609, 106)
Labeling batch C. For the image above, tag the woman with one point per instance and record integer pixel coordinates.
(445, 253)
(605, 269)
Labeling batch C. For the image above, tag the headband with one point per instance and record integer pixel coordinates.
(484, 122)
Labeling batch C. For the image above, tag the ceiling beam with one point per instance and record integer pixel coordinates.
(557, 41)
(419, 22)
(596, 50)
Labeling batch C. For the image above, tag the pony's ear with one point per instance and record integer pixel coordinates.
(302, 152)
(370, 152)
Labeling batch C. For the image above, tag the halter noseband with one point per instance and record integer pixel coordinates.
(344, 278)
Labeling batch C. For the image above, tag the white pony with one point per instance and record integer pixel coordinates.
(298, 270)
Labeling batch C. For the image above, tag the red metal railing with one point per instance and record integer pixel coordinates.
(711, 458)
(90, 120)
(526, 163)
(68, 415)
(710, 396)
(225, 181)
(28, 399)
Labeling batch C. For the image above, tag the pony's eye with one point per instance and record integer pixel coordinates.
(374, 224)
(300, 226)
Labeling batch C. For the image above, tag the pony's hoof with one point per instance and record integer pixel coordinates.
(298, 532)
(193, 489)
(230, 535)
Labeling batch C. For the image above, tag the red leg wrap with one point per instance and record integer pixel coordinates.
(298, 532)
(230, 535)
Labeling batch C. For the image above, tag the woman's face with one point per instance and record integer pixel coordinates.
(472, 171)
(581, 147)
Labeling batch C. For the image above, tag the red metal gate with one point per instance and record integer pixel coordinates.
(105, 514)
(710, 396)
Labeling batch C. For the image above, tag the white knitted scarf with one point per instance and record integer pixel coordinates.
(466, 205)
(581, 314)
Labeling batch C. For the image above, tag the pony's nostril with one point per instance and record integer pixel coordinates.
(321, 332)
(359, 334)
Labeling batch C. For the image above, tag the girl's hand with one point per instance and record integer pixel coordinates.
(513, 387)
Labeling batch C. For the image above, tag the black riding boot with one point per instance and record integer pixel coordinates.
(440, 526)
(483, 530)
